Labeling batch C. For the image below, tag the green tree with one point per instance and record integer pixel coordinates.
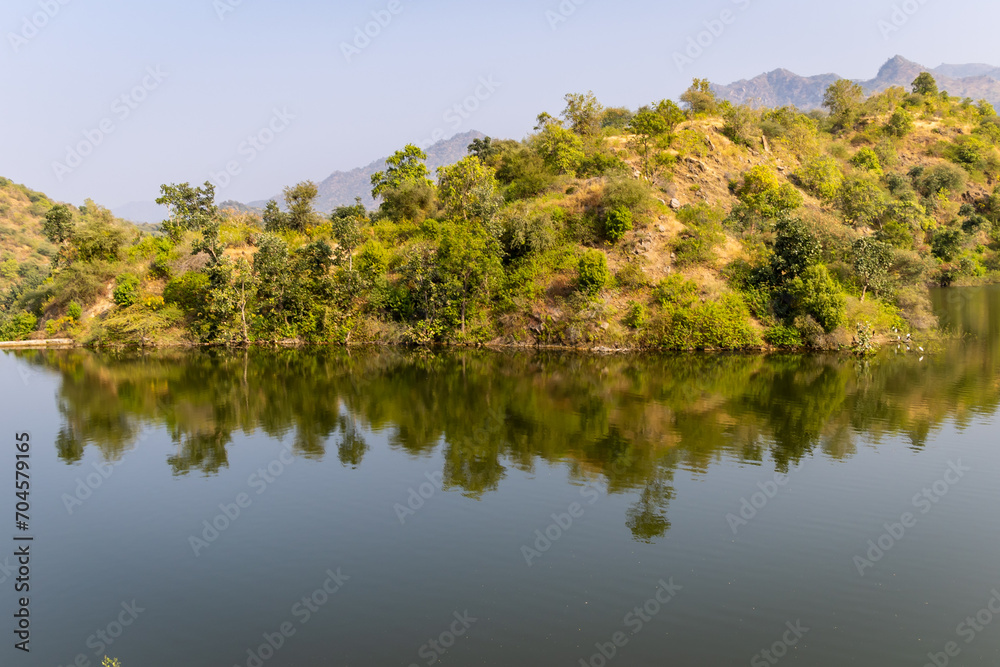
(843, 98)
(795, 250)
(100, 236)
(299, 200)
(348, 224)
(763, 198)
(126, 291)
(469, 191)
(900, 124)
(821, 176)
(925, 84)
(469, 263)
(649, 127)
(560, 149)
(275, 220)
(946, 244)
(58, 225)
(583, 113)
(741, 124)
(816, 293)
(190, 208)
(700, 99)
(872, 260)
(862, 201)
(404, 166)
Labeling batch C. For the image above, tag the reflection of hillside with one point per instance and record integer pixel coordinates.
(628, 421)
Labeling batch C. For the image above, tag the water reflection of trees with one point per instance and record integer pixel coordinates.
(628, 421)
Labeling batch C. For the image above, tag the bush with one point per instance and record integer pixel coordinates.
(946, 244)
(781, 336)
(127, 290)
(720, 324)
(626, 192)
(740, 124)
(901, 123)
(617, 223)
(862, 201)
(593, 272)
(636, 316)
(17, 327)
(675, 290)
(816, 294)
(74, 310)
(867, 159)
(939, 178)
(821, 177)
(188, 291)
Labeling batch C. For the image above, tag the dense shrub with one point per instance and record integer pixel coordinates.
(635, 316)
(593, 272)
(617, 223)
(782, 336)
(675, 290)
(718, 324)
(188, 291)
(946, 243)
(17, 327)
(867, 159)
(822, 177)
(126, 291)
(939, 178)
(816, 294)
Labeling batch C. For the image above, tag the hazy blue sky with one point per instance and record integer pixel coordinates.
(222, 68)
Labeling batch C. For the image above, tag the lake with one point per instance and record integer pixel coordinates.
(393, 507)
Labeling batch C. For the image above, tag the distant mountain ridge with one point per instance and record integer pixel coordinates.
(338, 189)
(342, 187)
(783, 88)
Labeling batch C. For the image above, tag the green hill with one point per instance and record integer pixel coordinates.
(700, 225)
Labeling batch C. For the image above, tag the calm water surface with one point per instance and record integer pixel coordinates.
(396, 508)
